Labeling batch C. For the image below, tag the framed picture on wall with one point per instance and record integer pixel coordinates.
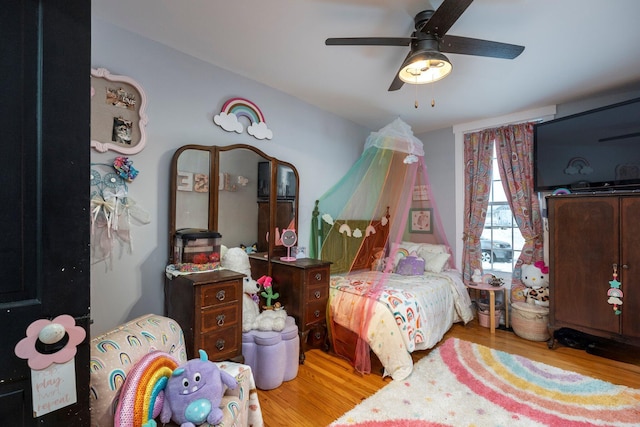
(118, 116)
(420, 192)
(420, 220)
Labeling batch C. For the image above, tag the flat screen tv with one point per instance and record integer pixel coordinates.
(286, 180)
(591, 151)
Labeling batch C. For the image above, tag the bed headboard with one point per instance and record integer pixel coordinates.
(352, 244)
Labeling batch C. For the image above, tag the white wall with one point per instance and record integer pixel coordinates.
(439, 156)
(183, 95)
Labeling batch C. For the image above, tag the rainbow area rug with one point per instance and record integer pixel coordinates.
(465, 384)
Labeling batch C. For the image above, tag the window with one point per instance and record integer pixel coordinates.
(501, 240)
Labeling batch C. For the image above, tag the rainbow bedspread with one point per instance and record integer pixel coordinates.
(411, 312)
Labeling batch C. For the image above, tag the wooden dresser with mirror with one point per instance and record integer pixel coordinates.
(245, 195)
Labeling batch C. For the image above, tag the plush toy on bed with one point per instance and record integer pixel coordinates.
(536, 278)
(194, 392)
(237, 259)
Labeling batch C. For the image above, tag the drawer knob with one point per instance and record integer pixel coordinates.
(220, 319)
(221, 295)
(220, 345)
(317, 294)
(317, 335)
(316, 313)
(318, 276)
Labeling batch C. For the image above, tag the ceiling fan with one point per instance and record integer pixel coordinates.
(425, 62)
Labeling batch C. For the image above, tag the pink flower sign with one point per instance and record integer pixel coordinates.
(27, 348)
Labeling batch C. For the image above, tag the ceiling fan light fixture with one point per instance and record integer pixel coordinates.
(425, 67)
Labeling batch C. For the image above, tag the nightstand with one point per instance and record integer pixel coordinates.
(492, 301)
(303, 286)
(208, 308)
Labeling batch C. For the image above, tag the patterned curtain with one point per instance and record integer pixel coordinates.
(478, 149)
(514, 149)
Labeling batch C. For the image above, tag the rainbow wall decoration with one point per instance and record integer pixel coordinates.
(234, 109)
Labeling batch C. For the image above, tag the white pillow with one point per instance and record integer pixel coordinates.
(409, 246)
(433, 249)
(435, 263)
(422, 250)
(398, 254)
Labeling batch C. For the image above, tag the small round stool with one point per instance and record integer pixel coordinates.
(273, 356)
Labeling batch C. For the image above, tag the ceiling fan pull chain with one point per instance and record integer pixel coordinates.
(433, 98)
(416, 105)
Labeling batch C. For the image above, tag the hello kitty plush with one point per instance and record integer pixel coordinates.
(536, 278)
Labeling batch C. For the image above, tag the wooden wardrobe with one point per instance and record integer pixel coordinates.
(592, 237)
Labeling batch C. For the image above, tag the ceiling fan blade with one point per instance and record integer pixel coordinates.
(369, 41)
(445, 16)
(477, 47)
(397, 83)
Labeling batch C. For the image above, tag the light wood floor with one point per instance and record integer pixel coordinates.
(327, 386)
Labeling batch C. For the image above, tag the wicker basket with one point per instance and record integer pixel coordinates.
(530, 321)
(484, 318)
(483, 310)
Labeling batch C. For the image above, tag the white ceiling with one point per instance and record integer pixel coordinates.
(573, 49)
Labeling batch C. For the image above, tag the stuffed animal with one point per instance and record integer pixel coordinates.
(536, 278)
(194, 392)
(237, 259)
(273, 317)
(272, 320)
(477, 276)
(378, 261)
(250, 249)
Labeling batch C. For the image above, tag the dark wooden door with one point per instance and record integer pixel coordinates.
(584, 247)
(44, 162)
(630, 271)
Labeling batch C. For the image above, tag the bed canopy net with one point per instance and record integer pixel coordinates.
(359, 224)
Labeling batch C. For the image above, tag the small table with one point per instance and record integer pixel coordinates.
(492, 302)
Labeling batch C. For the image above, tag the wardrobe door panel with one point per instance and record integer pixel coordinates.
(584, 234)
(630, 268)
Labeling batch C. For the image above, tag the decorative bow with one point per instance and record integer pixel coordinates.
(107, 207)
(117, 198)
(543, 268)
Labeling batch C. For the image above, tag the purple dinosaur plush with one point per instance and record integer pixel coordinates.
(194, 392)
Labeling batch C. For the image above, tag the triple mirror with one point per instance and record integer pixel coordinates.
(237, 190)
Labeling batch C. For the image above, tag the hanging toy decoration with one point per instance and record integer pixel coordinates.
(614, 293)
(112, 208)
(125, 168)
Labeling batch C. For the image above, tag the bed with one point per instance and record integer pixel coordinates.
(405, 314)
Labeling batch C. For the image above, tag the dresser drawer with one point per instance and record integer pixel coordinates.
(220, 345)
(316, 293)
(316, 311)
(317, 336)
(215, 318)
(218, 294)
(317, 276)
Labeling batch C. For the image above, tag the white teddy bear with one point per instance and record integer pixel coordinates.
(536, 279)
(237, 259)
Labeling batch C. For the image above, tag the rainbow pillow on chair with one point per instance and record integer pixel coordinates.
(142, 394)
